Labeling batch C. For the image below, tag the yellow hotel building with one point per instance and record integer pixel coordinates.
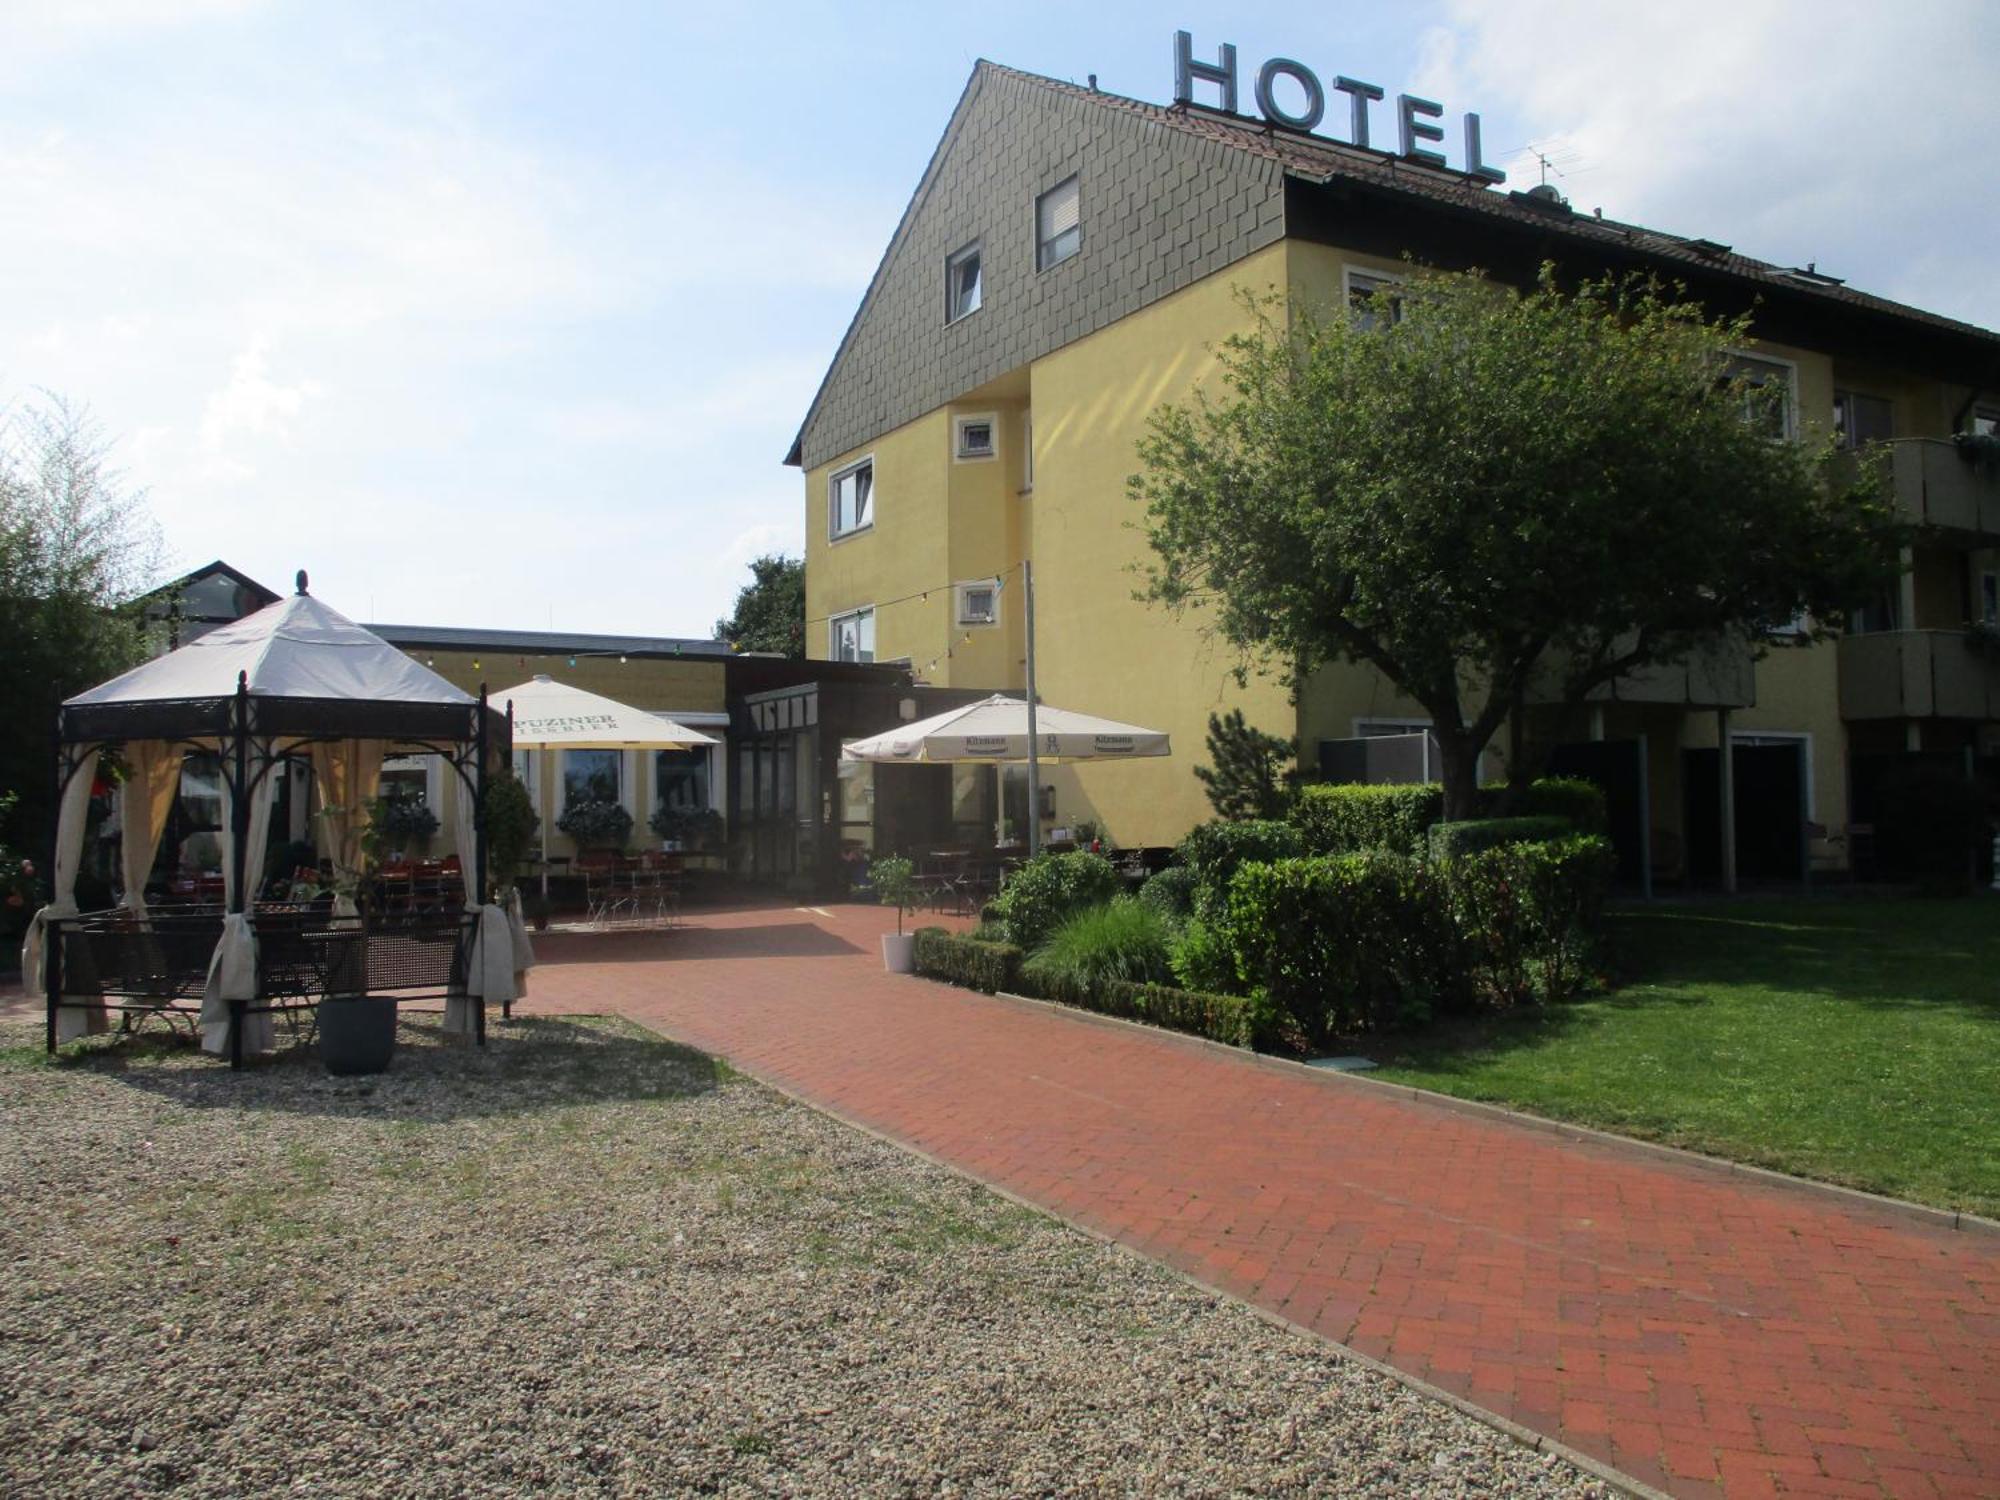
(1069, 261)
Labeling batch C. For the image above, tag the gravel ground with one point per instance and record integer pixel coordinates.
(587, 1260)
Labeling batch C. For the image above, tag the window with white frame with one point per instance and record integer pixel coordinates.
(1986, 421)
(1027, 454)
(527, 771)
(973, 437)
(979, 602)
(851, 637)
(1058, 224)
(1362, 306)
(407, 778)
(961, 283)
(1770, 395)
(1989, 598)
(850, 499)
(592, 776)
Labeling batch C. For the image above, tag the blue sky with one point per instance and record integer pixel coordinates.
(506, 315)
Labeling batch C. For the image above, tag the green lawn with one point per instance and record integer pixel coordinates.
(1852, 1040)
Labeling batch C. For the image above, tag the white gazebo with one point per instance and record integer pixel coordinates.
(295, 679)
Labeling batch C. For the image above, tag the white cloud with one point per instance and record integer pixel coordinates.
(251, 404)
(1796, 131)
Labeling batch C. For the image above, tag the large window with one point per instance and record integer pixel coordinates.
(680, 779)
(851, 637)
(850, 499)
(961, 283)
(1058, 224)
(1769, 399)
(406, 778)
(591, 776)
(1859, 420)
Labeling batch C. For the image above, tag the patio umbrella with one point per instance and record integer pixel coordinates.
(995, 729)
(550, 715)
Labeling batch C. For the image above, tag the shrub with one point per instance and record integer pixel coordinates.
(594, 823)
(977, 965)
(510, 828)
(1123, 939)
(1528, 914)
(1202, 958)
(1579, 801)
(694, 828)
(1348, 819)
(1047, 890)
(1362, 941)
(1170, 892)
(1212, 853)
(1450, 840)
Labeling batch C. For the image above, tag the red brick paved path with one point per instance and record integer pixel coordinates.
(1697, 1331)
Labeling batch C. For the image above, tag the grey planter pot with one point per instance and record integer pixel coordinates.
(357, 1034)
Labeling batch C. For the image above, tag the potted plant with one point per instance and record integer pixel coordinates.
(596, 824)
(510, 831)
(403, 824)
(895, 884)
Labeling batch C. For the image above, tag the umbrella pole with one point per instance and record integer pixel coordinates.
(542, 796)
(1034, 755)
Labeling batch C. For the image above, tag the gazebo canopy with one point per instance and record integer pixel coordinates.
(308, 671)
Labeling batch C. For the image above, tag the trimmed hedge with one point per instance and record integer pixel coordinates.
(993, 967)
(1454, 840)
(1050, 889)
(967, 961)
(1230, 1019)
(1350, 819)
(1212, 852)
(1362, 941)
(1572, 798)
(1528, 915)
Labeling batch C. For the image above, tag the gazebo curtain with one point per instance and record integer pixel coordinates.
(346, 775)
(232, 972)
(501, 954)
(83, 1013)
(144, 802)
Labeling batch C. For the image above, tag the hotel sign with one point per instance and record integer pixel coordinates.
(1413, 115)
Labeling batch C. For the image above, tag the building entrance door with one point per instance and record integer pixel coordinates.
(1770, 812)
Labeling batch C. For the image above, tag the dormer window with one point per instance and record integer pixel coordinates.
(961, 283)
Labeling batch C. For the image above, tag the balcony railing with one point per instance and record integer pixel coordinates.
(1936, 486)
(1724, 676)
(1919, 674)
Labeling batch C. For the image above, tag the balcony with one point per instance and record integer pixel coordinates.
(1935, 486)
(1722, 677)
(1918, 674)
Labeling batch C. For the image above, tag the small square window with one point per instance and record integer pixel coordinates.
(961, 283)
(1058, 224)
(975, 437)
(850, 499)
(979, 603)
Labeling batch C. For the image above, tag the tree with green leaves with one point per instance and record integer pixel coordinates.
(1250, 773)
(771, 609)
(76, 547)
(1478, 490)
